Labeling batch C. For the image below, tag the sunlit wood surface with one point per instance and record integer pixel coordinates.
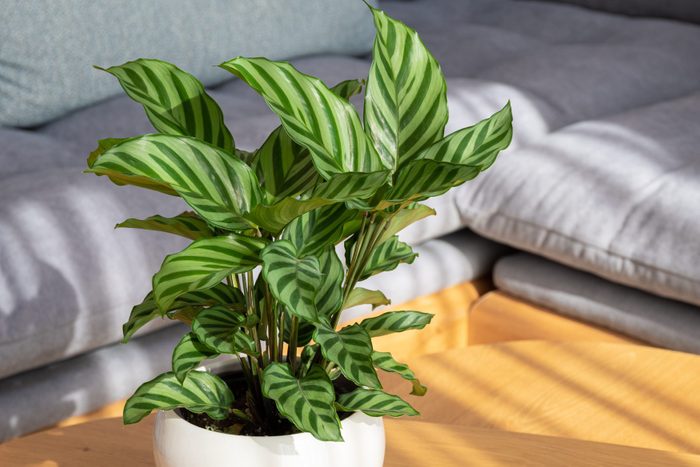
(106, 443)
(499, 317)
(616, 393)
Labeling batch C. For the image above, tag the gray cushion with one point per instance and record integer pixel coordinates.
(652, 319)
(26, 151)
(48, 48)
(67, 278)
(41, 398)
(683, 10)
(619, 197)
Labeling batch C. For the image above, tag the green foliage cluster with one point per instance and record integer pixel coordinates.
(322, 178)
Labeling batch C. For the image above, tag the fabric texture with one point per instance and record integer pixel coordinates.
(682, 10)
(656, 320)
(618, 197)
(41, 398)
(47, 49)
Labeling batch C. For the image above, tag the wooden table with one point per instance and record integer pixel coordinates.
(531, 403)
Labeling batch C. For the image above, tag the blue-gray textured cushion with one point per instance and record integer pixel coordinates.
(683, 10)
(47, 49)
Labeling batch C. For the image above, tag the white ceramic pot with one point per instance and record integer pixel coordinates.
(178, 443)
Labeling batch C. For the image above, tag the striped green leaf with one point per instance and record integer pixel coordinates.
(315, 230)
(405, 217)
(455, 159)
(200, 392)
(187, 224)
(307, 402)
(327, 125)
(188, 355)
(220, 329)
(360, 296)
(147, 310)
(374, 403)
(218, 186)
(275, 217)
(204, 264)
(387, 256)
(294, 281)
(349, 186)
(350, 349)
(395, 321)
(405, 100)
(386, 362)
(175, 101)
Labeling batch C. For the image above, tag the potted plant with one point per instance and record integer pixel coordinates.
(261, 281)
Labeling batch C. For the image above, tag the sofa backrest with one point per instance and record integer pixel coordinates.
(47, 48)
(681, 10)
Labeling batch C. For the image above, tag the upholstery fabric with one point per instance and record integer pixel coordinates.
(618, 197)
(47, 49)
(659, 321)
(682, 10)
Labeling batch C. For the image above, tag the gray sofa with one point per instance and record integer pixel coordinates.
(600, 188)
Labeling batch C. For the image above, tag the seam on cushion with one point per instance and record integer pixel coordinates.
(577, 242)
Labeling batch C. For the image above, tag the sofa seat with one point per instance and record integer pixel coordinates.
(586, 297)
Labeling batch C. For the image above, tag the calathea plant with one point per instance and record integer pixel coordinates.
(261, 280)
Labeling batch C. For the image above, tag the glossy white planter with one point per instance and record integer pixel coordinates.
(178, 443)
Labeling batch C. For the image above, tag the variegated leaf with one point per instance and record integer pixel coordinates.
(405, 100)
(188, 355)
(405, 217)
(387, 256)
(374, 403)
(327, 125)
(350, 349)
(187, 224)
(275, 217)
(200, 392)
(218, 186)
(175, 101)
(395, 321)
(453, 160)
(147, 310)
(220, 329)
(203, 264)
(360, 296)
(307, 402)
(294, 281)
(315, 230)
(386, 362)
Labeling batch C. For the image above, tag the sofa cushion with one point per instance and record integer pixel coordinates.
(41, 81)
(682, 10)
(652, 319)
(27, 151)
(618, 197)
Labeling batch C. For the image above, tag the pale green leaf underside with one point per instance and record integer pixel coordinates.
(200, 392)
(307, 402)
(374, 403)
(187, 224)
(204, 264)
(350, 349)
(361, 296)
(386, 362)
(405, 217)
(395, 321)
(175, 101)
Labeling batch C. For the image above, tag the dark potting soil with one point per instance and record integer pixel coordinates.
(271, 424)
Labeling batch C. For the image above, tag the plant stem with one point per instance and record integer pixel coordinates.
(293, 336)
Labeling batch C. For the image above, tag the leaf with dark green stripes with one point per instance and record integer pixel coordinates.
(220, 329)
(175, 101)
(405, 217)
(387, 256)
(147, 310)
(275, 217)
(350, 349)
(204, 264)
(395, 321)
(218, 186)
(327, 125)
(315, 230)
(200, 392)
(294, 281)
(405, 99)
(374, 403)
(187, 224)
(188, 355)
(360, 296)
(455, 159)
(307, 402)
(386, 362)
